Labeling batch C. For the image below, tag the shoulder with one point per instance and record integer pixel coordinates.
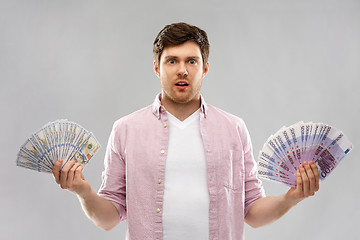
(219, 115)
(140, 116)
(227, 127)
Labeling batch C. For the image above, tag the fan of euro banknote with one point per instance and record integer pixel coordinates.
(284, 151)
(61, 139)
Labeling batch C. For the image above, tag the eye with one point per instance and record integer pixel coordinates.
(192, 61)
(171, 61)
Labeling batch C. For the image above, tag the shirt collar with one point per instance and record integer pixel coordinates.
(158, 108)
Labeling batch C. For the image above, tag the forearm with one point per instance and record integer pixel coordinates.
(100, 210)
(268, 209)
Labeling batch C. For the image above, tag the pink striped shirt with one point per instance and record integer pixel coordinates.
(135, 159)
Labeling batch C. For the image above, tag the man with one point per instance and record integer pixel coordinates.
(181, 168)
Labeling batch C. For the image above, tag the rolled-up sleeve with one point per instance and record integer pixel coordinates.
(113, 185)
(253, 186)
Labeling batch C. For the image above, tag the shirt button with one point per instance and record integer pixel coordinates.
(158, 210)
(162, 109)
(162, 151)
(165, 125)
(159, 181)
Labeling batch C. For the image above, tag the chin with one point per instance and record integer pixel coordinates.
(181, 100)
(184, 100)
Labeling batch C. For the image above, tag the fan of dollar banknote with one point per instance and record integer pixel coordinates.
(284, 151)
(61, 139)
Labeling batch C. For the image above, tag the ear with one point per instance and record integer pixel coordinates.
(206, 69)
(156, 69)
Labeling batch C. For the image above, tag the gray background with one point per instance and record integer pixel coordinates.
(272, 63)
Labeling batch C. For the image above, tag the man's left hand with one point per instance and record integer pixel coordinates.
(307, 182)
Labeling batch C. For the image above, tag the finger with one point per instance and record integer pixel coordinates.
(299, 184)
(305, 180)
(78, 173)
(312, 181)
(56, 170)
(71, 174)
(316, 174)
(64, 173)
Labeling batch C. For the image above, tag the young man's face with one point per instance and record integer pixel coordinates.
(181, 72)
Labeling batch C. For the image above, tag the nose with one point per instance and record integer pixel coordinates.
(182, 71)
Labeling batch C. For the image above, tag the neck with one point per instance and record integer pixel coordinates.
(181, 110)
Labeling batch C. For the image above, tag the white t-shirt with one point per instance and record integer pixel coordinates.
(186, 196)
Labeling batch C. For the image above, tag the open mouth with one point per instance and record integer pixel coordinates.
(182, 84)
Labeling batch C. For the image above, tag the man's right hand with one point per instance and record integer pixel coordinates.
(100, 210)
(70, 177)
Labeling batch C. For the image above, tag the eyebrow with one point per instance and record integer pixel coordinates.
(176, 57)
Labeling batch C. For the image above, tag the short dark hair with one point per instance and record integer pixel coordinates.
(179, 33)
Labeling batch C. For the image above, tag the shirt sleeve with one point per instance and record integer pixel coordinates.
(113, 185)
(253, 186)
